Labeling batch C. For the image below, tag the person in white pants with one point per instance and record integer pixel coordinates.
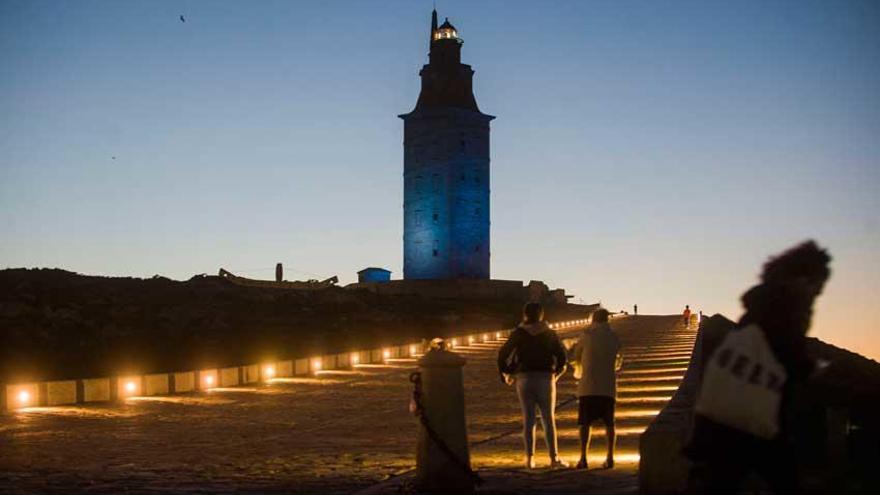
(536, 358)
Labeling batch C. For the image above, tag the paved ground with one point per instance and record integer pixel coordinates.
(340, 432)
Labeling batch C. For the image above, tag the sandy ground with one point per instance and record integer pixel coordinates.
(339, 432)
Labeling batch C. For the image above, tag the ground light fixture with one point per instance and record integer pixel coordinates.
(497, 335)
(209, 380)
(24, 398)
(412, 350)
(316, 365)
(269, 372)
(471, 339)
(386, 354)
(130, 387)
(355, 359)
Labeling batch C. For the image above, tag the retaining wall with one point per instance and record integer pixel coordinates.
(663, 469)
(107, 389)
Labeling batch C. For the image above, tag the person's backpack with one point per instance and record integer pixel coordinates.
(742, 384)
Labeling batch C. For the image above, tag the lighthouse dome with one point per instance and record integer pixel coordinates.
(446, 31)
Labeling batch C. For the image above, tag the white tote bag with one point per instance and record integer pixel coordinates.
(742, 384)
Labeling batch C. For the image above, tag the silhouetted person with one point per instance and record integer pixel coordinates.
(536, 358)
(686, 315)
(635, 309)
(780, 307)
(598, 352)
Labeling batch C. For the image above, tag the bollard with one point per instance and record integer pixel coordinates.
(442, 459)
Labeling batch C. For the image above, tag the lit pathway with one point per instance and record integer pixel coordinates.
(337, 433)
(656, 352)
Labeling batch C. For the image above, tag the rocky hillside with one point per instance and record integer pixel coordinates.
(59, 324)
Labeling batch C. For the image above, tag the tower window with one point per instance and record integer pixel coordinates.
(436, 217)
(436, 249)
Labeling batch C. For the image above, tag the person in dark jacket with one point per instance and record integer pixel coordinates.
(782, 307)
(536, 358)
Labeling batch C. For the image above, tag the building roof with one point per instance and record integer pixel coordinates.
(373, 269)
(447, 25)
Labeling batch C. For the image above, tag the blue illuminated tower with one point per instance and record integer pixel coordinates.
(446, 169)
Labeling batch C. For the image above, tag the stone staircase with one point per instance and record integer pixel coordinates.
(656, 351)
(654, 362)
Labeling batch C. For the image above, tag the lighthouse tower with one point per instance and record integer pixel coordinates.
(446, 169)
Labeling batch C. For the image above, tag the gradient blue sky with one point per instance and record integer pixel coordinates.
(649, 152)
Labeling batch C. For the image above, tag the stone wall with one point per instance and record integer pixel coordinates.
(663, 469)
(21, 396)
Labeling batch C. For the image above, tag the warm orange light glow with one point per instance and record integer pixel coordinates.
(130, 387)
(269, 372)
(412, 350)
(653, 398)
(209, 380)
(386, 353)
(316, 364)
(355, 358)
(453, 343)
(471, 339)
(637, 413)
(653, 371)
(24, 397)
(498, 335)
(662, 378)
(647, 388)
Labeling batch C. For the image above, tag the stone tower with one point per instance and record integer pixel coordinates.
(446, 169)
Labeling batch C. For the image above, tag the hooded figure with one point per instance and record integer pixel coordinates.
(782, 307)
(535, 357)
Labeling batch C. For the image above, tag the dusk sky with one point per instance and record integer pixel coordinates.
(643, 152)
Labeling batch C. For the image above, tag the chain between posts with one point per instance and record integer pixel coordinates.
(418, 409)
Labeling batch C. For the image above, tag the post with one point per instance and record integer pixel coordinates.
(443, 468)
(279, 273)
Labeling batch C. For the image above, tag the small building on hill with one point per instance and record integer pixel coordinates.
(373, 274)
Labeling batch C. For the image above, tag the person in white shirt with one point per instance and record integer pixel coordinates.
(598, 353)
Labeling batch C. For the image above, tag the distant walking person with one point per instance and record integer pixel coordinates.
(536, 358)
(686, 315)
(635, 309)
(598, 352)
(747, 410)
